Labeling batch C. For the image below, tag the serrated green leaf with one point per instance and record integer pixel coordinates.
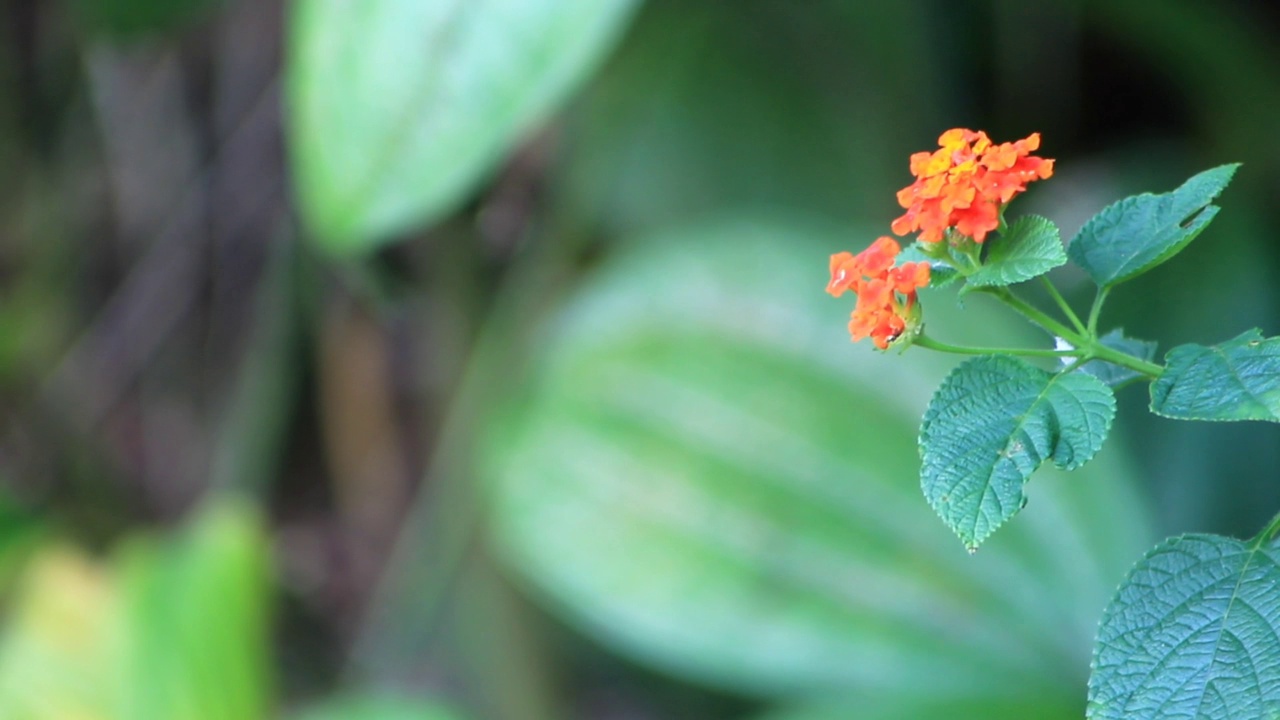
(1235, 380)
(399, 107)
(1134, 235)
(1193, 632)
(710, 482)
(992, 423)
(1115, 375)
(1030, 248)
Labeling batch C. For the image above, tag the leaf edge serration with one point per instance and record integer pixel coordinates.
(972, 541)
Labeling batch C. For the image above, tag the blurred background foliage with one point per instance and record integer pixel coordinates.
(467, 359)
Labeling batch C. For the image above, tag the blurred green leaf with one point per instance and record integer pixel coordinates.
(169, 630)
(132, 18)
(1192, 633)
(399, 107)
(1235, 380)
(55, 656)
(195, 612)
(993, 422)
(1134, 235)
(710, 106)
(21, 535)
(706, 476)
(374, 707)
(1115, 375)
(1028, 249)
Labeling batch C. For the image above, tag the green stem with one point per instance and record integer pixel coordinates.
(1102, 352)
(1063, 305)
(1096, 310)
(1268, 533)
(1086, 345)
(925, 341)
(1034, 314)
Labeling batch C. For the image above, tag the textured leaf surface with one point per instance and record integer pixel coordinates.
(991, 424)
(1236, 380)
(1135, 234)
(716, 483)
(1030, 248)
(398, 107)
(1113, 374)
(1193, 632)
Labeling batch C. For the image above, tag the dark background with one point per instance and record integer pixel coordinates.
(168, 332)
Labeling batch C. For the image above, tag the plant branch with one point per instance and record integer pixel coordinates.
(1268, 533)
(1084, 345)
(1034, 314)
(1111, 355)
(1096, 310)
(1064, 306)
(925, 341)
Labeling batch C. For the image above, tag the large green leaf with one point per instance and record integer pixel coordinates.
(1193, 632)
(705, 475)
(1133, 235)
(398, 107)
(1236, 380)
(1030, 248)
(993, 422)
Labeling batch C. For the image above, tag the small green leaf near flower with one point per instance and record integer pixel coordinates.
(1030, 248)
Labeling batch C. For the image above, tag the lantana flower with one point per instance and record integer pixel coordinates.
(886, 293)
(965, 183)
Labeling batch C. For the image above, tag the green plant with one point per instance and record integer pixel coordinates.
(1194, 629)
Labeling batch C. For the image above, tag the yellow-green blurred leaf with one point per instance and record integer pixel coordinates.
(171, 628)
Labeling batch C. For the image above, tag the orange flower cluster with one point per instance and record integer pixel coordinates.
(886, 294)
(963, 184)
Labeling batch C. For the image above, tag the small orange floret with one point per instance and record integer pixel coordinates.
(885, 293)
(908, 277)
(844, 273)
(965, 182)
